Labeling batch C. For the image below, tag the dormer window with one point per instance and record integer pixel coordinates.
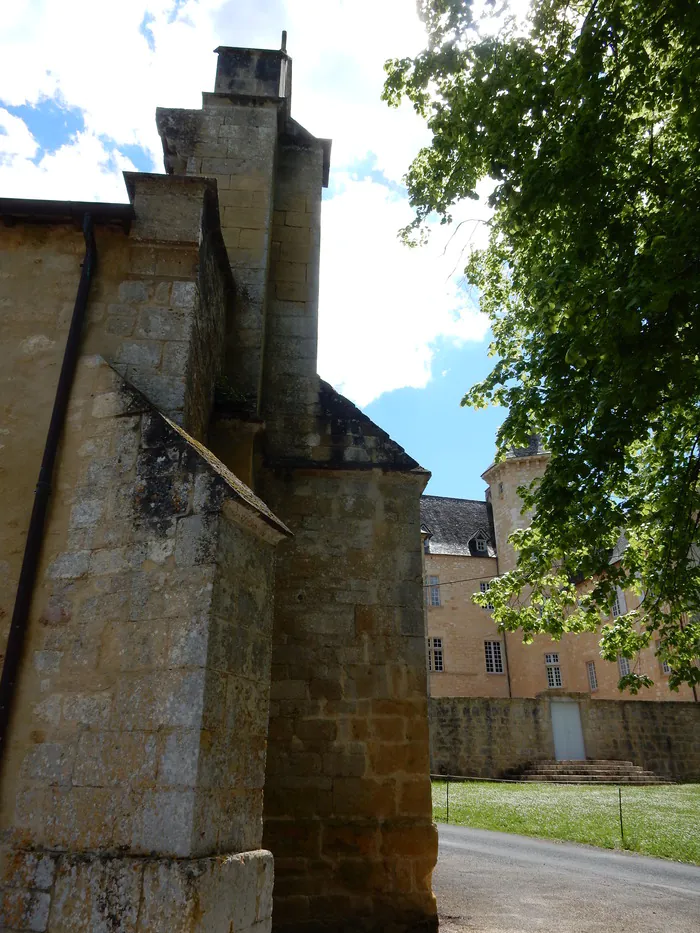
(480, 543)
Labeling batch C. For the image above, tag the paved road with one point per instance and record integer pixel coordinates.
(489, 882)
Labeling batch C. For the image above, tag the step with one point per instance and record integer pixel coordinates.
(582, 779)
(586, 761)
(589, 763)
(591, 771)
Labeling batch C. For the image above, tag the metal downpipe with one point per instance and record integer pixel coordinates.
(35, 532)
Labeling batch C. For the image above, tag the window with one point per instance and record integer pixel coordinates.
(433, 591)
(435, 655)
(494, 657)
(481, 545)
(485, 587)
(553, 670)
(592, 679)
(665, 666)
(619, 606)
(623, 665)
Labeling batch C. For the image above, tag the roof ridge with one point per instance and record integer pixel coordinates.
(456, 499)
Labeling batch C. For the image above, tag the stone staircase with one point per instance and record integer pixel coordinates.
(586, 772)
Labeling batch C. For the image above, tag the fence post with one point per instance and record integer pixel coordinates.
(448, 799)
(622, 828)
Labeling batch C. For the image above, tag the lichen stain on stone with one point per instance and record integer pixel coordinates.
(163, 485)
(157, 498)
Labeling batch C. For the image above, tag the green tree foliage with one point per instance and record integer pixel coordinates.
(588, 124)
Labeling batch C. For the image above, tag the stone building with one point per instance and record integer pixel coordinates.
(466, 545)
(214, 667)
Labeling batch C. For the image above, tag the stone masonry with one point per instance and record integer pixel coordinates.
(226, 641)
(488, 736)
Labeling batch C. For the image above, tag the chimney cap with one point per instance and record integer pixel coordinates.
(262, 73)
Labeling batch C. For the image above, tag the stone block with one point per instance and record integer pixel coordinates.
(24, 910)
(161, 821)
(156, 323)
(69, 566)
(87, 709)
(96, 896)
(289, 271)
(184, 295)
(140, 353)
(134, 292)
(411, 840)
(86, 512)
(26, 870)
(115, 759)
(50, 763)
(250, 218)
(48, 661)
(188, 644)
(179, 760)
(167, 698)
(292, 291)
(236, 198)
(297, 219)
(175, 356)
(255, 240)
(195, 540)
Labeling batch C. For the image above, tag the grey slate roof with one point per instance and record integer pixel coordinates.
(354, 440)
(453, 524)
(534, 448)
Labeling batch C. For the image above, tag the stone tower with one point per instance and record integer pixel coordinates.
(224, 658)
(519, 468)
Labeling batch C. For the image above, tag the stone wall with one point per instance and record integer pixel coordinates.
(235, 144)
(484, 737)
(347, 798)
(291, 385)
(141, 713)
(463, 627)
(63, 893)
(135, 768)
(156, 313)
(663, 737)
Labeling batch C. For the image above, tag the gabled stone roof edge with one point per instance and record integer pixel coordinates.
(236, 488)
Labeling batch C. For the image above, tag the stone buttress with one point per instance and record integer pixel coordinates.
(132, 781)
(347, 792)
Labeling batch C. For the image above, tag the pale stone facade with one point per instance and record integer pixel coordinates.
(464, 629)
(201, 675)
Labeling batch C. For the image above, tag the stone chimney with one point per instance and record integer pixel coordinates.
(254, 72)
(269, 172)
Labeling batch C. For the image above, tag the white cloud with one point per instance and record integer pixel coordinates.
(15, 138)
(83, 170)
(92, 54)
(339, 49)
(384, 305)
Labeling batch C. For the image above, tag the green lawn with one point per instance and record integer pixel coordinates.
(662, 821)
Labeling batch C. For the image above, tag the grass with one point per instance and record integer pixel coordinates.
(663, 821)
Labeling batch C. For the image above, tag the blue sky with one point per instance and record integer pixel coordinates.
(398, 332)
